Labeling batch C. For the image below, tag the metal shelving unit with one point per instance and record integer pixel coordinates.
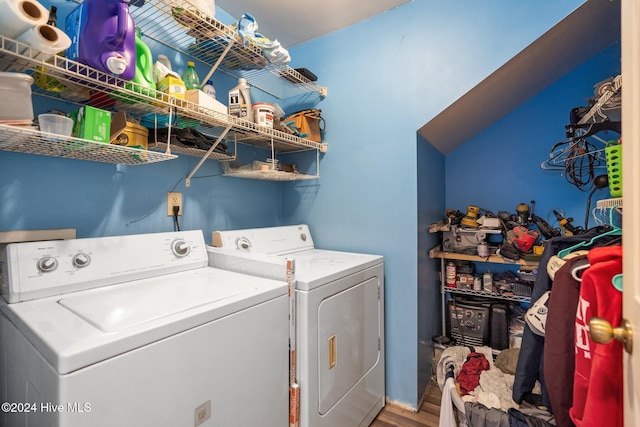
(270, 175)
(60, 78)
(31, 141)
(485, 294)
(438, 253)
(610, 92)
(187, 30)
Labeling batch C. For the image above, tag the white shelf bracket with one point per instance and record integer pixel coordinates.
(215, 66)
(204, 157)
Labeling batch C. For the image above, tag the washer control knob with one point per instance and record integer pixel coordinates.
(47, 264)
(180, 248)
(81, 260)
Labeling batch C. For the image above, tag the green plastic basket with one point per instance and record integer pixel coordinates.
(613, 152)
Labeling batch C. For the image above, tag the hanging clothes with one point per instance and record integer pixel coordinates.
(598, 381)
(559, 347)
(531, 361)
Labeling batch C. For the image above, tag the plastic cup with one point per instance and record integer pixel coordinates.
(55, 123)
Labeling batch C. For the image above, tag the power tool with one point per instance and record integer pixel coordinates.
(522, 214)
(471, 218)
(566, 226)
(547, 231)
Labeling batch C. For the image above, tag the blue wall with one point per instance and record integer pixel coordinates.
(500, 167)
(388, 76)
(380, 186)
(431, 205)
(103, 199)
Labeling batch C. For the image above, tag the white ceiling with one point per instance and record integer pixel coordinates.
(292, 22)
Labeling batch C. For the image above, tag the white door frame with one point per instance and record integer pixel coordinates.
(630, 42)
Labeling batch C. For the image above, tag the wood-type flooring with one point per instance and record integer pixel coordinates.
(428, 415)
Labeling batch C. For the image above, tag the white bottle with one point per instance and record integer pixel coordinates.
(209, 89)
(164, 60)
(240, 100)
(162, 68)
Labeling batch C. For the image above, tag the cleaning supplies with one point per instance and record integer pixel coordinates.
(144, 67)
(190, 77)
(167, 80)
(263, 114)
(240, 100)
(209, 89)
(162, 68)
(103, 36)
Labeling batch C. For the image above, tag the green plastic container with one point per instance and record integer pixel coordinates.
(613, 154)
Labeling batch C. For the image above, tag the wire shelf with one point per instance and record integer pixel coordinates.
(270, 175)
(187, 30)
(189, 151)
(485, 294)
(31, 141)
(608, 93)
(609, 203)
(60, 78)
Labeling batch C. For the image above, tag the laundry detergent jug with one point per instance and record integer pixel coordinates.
(103, 37)
(144, 65)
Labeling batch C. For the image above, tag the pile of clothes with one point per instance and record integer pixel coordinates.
(485, 387)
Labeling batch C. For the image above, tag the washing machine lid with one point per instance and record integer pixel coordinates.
(317, 267)
(79, 329)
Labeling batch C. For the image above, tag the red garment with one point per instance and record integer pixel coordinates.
(469, 375)
(597, 386)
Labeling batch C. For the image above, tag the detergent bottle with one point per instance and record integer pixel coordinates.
(240, 100)
(144, 65)
(104, 37)
(209, 89)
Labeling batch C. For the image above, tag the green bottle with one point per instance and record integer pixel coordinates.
(144, 65)
(190, 77)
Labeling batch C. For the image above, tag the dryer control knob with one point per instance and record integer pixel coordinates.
(180, 248)
(81, 260)
(47, 264)
(243, 244)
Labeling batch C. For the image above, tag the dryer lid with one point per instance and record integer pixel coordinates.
(318, 267)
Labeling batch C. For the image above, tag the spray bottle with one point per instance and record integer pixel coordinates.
(240, 100)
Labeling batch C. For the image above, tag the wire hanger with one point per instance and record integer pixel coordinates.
(615, 231)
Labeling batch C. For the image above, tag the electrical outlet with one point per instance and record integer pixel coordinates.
(174, 199)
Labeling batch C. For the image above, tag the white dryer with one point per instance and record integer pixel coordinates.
(339, 312)
(139, 331)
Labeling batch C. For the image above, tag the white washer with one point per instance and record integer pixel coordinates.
(340, 320)
(139, 331)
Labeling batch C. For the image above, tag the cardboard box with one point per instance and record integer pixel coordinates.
(91, 123)
(465, 280)
(205, 101)
(172, 86)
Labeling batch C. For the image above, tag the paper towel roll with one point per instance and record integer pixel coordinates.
(64, 41)
(17, 16)
(41, 37)
(45, 38)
